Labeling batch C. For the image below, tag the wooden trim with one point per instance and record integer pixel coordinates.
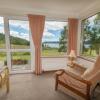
(85, 58)
(72, 89)
(53, 56)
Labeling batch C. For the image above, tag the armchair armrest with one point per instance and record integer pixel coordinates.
(59, 72)
(4, 78)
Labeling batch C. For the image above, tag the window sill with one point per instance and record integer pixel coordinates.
(53, 56)
(86, 58)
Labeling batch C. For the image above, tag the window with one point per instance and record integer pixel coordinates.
(20, 60)
(91, 36)
(3, 58)
(54, 42)
(20, 45)
(19, 34)
(2, 34)
(15, 45)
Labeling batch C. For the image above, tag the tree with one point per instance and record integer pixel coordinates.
(86, 34)
(92, 34)
(63, 40)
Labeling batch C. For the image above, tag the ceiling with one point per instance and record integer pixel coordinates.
(59, 9)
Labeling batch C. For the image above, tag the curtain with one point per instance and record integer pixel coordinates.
(72, 33)
(36, 23)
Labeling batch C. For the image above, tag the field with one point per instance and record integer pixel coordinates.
(52, 52)
(90, 55)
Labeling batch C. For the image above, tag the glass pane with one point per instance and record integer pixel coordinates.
(19, 34)
(2, 35)
(54, 42)
(21, 60)
(91, 36)
(3, 60)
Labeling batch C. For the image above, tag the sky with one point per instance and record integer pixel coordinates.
(20, 29)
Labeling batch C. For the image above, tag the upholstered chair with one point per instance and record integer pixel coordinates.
(79, 86)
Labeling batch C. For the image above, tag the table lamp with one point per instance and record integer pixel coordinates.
(71, 57)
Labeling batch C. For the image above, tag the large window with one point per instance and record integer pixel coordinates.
(91, 36)
(20, 45)
(54, 42)
(15, 45)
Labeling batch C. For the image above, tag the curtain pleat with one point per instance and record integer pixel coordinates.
(36, 23)
(72, 34)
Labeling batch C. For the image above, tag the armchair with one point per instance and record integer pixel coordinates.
(79, 85)
(4, 78)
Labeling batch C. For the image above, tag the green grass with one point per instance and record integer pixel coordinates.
(52, 52)
(2, 46)
(87, 54)
(20, 46)
(21, 56)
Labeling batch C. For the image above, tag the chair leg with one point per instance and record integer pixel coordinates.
(56, 85)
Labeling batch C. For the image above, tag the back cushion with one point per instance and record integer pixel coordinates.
(92, 70)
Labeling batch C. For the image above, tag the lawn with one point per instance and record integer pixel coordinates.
(52, 52)
(90, 55)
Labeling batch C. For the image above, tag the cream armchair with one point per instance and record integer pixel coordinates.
(82, 85)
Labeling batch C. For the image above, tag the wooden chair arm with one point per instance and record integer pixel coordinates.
(59, 72)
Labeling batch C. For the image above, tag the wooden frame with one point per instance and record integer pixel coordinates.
(4, 78)
(87, 83)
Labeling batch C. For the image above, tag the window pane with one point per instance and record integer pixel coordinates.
(3, 60)
(2, 35)
(19, 34)
(54, 42)
(21, 60)
(91, 36)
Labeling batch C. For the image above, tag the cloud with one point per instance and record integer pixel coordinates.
(1, 29)
(54, 25)
(22, 24)
(19, 35)
(48, 34)
(1, 25)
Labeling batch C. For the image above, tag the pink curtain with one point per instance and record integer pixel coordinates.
(73, 29)
(37, 23)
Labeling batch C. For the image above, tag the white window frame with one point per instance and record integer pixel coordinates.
(9, 50)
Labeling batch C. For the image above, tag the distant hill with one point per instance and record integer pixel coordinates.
(15, 40)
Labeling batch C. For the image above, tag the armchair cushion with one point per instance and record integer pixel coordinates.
(92, 70)
(71, 82)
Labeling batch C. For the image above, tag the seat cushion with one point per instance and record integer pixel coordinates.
(90, 72)
(68, 80)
